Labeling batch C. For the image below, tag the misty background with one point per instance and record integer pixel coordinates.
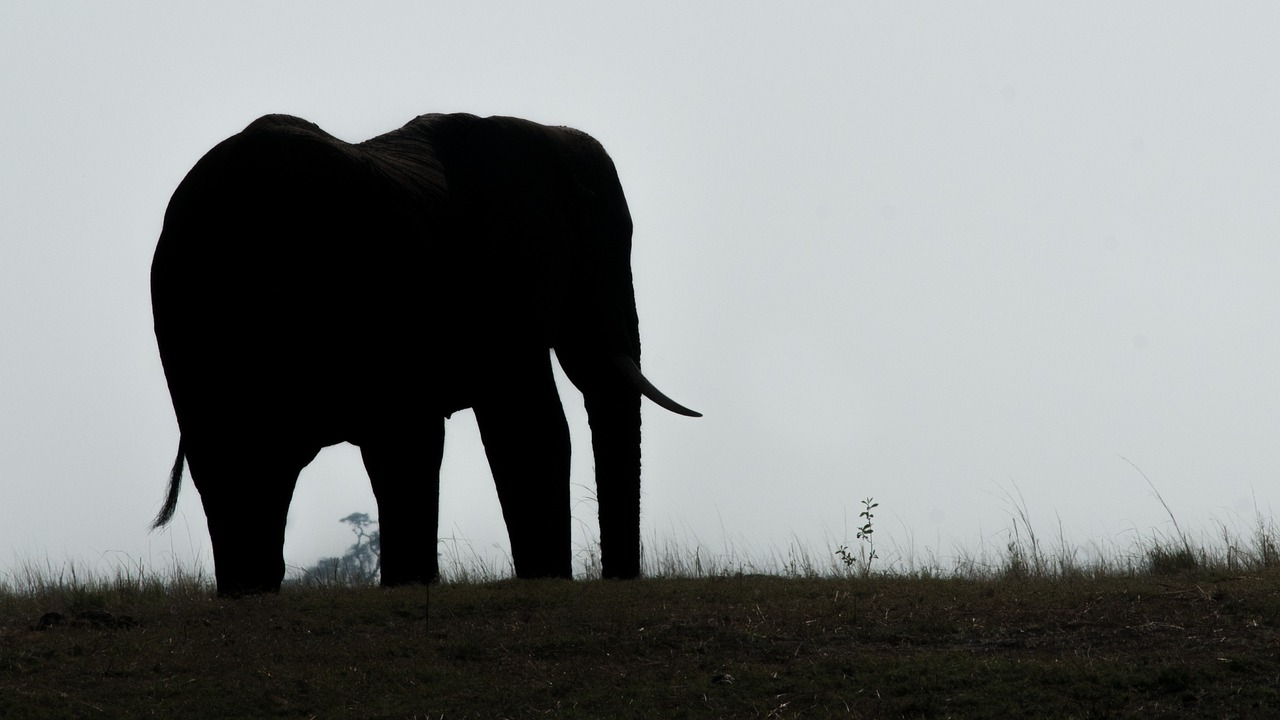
(941, 254)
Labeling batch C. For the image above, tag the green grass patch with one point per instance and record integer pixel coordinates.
(1169, 627)
(751, 646)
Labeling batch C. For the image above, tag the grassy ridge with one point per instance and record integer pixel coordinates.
(1170, 627)
(1177, 645)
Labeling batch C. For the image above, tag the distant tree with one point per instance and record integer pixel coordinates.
(366, 553)
(361, 563)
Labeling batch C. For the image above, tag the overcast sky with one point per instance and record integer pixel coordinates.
(934, 253)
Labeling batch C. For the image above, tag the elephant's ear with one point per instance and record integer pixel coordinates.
(646, 388)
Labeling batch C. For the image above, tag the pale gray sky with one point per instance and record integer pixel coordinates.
(923, 251)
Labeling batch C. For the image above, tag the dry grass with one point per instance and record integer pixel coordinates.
(1171, 625)
(751, 646)
(1166, 628)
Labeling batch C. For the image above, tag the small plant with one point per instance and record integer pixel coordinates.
(865, 554)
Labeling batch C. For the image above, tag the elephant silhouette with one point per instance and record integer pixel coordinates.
(307, 291)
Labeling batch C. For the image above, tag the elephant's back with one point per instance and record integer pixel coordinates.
(281, 252)
(281, 215)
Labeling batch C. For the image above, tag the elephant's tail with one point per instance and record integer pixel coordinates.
(175, 484)
(646, 388)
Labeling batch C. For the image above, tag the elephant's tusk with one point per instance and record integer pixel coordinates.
(632, 371)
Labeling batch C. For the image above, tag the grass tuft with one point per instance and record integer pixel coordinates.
(738, 646)
(1171, 624)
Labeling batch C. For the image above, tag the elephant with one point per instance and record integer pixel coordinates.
(307, 291)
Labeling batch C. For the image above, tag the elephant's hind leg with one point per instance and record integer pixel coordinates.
(246, 492)
(405, 474)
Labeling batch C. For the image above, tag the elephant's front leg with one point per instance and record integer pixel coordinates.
(526, 439)
(405, 473)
